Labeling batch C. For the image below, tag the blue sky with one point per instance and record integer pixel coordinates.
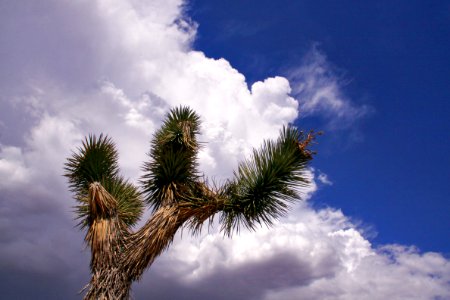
(372, 224)
(390, 55)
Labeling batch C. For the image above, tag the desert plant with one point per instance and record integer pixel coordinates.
(108, 205)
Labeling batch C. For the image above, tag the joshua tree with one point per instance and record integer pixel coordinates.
(261, 191)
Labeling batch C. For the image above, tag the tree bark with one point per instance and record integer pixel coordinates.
(119, 257)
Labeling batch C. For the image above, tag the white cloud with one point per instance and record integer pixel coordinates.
(323, 178)
(117, 66)
(320, 92)
(12, 167)
(384, 275)
(315, 255)
(323, 241)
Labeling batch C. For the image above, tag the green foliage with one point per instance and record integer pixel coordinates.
(179, 129)
(261, 191)
(172, 169)
(264, 185)
(130, 205)
(96, 161)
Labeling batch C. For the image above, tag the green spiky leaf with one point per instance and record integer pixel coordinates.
(130, 204)
(95, 160)
(265, 185)
(172, 168)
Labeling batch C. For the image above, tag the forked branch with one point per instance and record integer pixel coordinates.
(262, 189)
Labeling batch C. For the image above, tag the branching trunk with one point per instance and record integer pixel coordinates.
(119, 257)
(261, 191)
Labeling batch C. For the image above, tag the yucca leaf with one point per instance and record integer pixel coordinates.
(97, 161)
(172, 168)
(265, 185)
(130, 204)
(94, 161)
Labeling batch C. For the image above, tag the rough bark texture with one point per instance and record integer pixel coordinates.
(119, 257)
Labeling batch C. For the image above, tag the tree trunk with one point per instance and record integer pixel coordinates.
(120, 257)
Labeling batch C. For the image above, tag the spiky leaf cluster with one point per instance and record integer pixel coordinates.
(97, 161)
(260, 192)
(264, 185)
(172, 169)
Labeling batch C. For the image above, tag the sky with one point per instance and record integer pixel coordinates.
(373, 77)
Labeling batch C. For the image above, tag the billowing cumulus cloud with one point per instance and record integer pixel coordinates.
(312, 255)
(116, 66)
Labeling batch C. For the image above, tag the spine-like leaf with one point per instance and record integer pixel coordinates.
(95, 160)
(261, 191)
(264, 185)
(172, 168)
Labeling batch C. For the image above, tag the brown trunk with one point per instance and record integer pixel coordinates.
(119, 257)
